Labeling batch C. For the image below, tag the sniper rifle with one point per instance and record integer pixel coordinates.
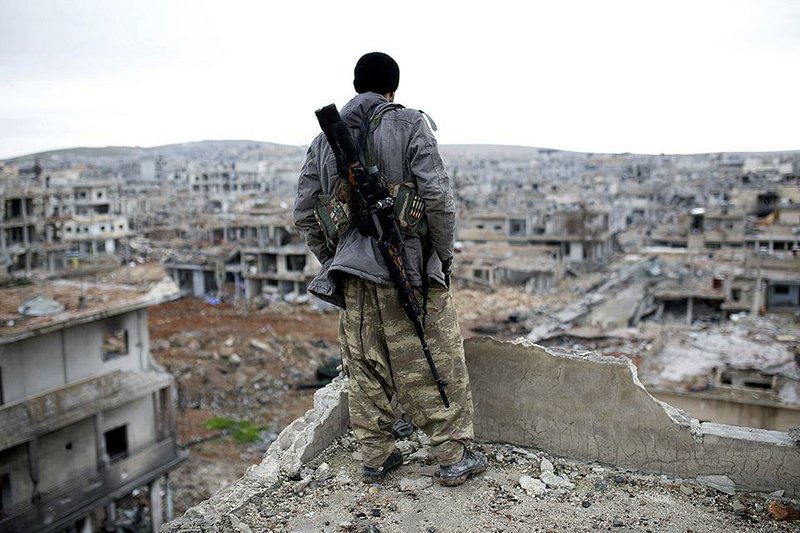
(377, 220)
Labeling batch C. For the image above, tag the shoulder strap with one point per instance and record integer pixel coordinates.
(366, 134)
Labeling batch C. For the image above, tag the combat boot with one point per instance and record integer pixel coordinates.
(374, 475)
(456, 474)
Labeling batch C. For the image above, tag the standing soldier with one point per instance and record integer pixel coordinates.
(380, 349)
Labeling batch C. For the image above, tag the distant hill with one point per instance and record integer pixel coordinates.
(228, 149)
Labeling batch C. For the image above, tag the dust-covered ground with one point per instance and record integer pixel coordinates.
(330, 497)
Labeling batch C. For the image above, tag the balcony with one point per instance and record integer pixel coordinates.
(25, 419)
(57, 507)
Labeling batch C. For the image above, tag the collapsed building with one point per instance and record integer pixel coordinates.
(263, 256)
(582, 234)
(536, 268)
(46, 226)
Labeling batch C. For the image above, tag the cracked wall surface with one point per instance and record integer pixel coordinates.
(594, 408)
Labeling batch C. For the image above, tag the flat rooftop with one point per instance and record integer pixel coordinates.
(82, 299)
(332, 498)
(579, 446)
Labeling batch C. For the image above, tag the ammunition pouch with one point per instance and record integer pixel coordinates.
(336, 213)
(409, 209)
(333, 218)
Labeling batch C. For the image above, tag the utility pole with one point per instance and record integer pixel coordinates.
(757, 292)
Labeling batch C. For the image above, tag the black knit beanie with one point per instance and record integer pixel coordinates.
(376, 72)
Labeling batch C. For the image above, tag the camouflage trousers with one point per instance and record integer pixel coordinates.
(383, 360)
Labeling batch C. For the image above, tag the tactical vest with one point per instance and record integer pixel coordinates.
(335, 212)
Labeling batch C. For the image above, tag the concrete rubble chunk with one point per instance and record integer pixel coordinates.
(322, 472)
(532, 486)
(302, 484)
(555, 482)
(239, 526)
(422, 455)
(40, 305)
(406, 447)
(342, 478)
(720, 483)
(547, 466)
(260, 346)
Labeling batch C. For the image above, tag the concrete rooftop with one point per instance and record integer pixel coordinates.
(575, 444)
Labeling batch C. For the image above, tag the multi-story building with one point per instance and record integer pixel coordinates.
(86, 219)
(41, 227)
(21, 227)
(87, 416)
(536, 268)
(275, 259)
(263, 256)
(581, 233)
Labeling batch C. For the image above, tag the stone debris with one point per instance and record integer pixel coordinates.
(322, 472)
(302, 484)
(532, 486)
(406, 447)
(555, 482)
(720, 483)
(342, 478)
(422, 455)
(258, 345)
(780, 511)
(239, 526)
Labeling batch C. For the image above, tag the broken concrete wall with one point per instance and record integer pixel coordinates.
(587, 408)
(298, 443)
(595, 409)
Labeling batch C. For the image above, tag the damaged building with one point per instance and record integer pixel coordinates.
(45, 227)
(263, 256)
(87, 415)
(536, 268)
(582, 234)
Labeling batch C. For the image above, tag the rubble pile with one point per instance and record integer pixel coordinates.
(239, 364)
(508, 312)
(522, 490)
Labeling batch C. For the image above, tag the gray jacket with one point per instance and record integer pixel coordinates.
(407, 152)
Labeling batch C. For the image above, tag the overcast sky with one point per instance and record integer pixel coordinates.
(601, 75)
